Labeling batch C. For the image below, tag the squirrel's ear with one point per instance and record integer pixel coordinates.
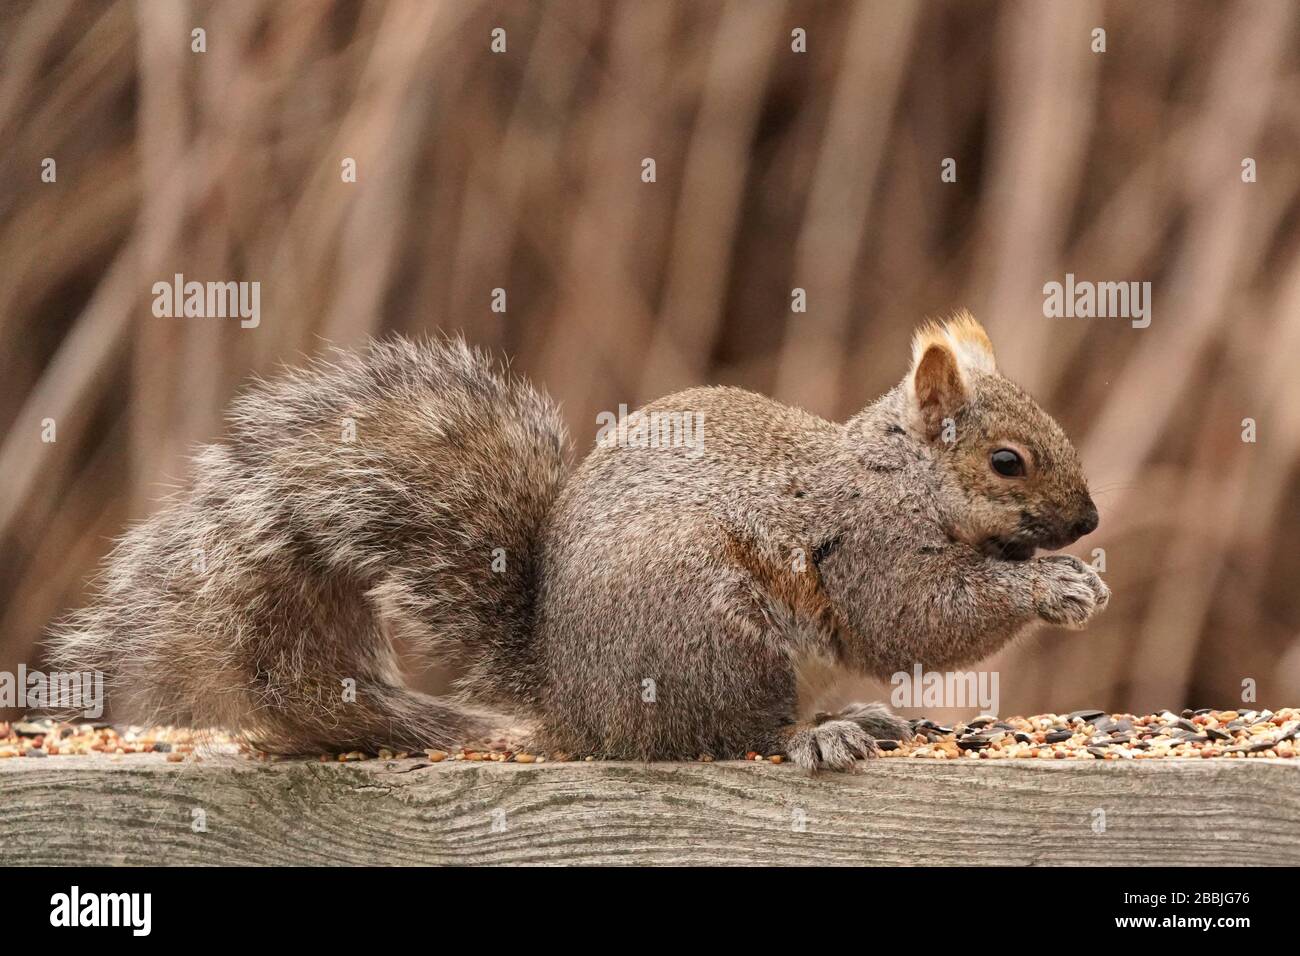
(937, 388)
(944, 359)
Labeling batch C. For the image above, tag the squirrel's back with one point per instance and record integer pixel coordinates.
(392, 493)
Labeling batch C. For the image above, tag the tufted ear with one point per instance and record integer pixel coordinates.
(945, 359)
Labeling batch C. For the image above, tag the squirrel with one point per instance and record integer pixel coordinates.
(658, 601)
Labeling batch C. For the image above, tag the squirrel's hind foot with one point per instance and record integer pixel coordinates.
(877, 720)
(832, 745)
(838, 741)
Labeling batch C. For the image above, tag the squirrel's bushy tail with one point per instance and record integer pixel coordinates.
(392, 494)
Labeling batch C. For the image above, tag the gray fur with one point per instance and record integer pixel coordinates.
(317, 551)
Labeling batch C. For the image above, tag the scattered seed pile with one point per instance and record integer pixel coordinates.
(1096, 735)
(1082, 735)
(47, 738)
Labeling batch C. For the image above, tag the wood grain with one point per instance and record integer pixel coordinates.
(139, 810)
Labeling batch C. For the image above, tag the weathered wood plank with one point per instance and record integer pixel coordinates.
(139, 810)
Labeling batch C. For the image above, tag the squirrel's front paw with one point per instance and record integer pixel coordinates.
(1068, 592)
(833, 745)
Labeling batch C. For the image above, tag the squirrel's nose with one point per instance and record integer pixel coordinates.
(1088, 523)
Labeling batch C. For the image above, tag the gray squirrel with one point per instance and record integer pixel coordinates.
(658, 601)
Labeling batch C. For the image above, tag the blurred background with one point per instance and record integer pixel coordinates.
(774, 170)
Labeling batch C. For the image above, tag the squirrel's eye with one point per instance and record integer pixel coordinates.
(1007, 463)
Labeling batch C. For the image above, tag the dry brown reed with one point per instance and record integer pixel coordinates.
(776, 170)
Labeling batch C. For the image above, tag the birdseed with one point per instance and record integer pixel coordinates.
(1080, 735)
(1096, 735)
(42, 738)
